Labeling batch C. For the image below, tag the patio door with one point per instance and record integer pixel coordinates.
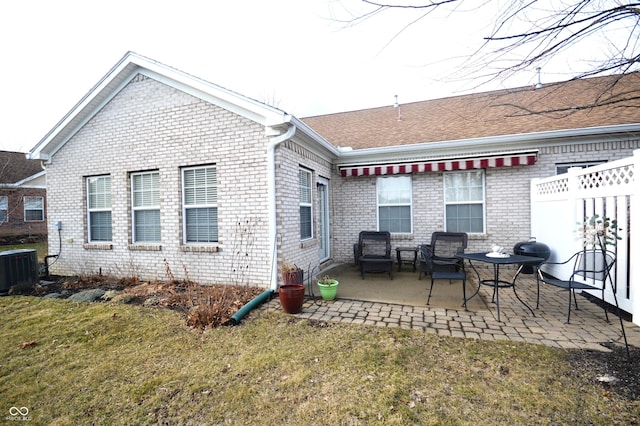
(323, 219)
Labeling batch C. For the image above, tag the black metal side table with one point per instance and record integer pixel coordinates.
(409, 261)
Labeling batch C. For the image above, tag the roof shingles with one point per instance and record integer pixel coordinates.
(557, 106)
(15, 166)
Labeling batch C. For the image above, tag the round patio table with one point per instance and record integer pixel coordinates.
(496, 282)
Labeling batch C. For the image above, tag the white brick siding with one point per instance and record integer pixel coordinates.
(507, 199)
(289, 158)
(151, 126)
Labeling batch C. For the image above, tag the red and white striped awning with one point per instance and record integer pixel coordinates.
(439, 165)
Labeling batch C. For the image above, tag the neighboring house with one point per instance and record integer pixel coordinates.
(159, 174)
(22, 198)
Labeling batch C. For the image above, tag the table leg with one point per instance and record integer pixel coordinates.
(496, 286)
(516, 293)
(477, 289)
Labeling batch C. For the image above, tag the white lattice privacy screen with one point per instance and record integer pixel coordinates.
(560, 203)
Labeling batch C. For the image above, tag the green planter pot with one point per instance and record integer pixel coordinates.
(328, 290)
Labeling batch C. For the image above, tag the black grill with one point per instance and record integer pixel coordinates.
(531, 248)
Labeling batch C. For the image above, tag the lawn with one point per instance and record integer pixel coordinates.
(111, 364)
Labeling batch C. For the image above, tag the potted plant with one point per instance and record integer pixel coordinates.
(599, 232)
(291, 274)
(291, 292)
(328, 287)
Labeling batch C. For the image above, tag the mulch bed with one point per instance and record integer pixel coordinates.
(202, 306)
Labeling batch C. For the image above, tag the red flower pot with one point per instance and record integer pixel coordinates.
(291, 297)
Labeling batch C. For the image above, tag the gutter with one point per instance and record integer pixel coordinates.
(295, 127)
(271, 193)
(463, 145)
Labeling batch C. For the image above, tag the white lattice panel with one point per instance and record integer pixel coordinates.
(557, 186)
(609, 178)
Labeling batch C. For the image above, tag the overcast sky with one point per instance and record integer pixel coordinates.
(292, 54)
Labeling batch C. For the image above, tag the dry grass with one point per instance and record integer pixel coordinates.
(117, 364)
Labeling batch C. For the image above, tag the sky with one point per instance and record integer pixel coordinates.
(296, 55)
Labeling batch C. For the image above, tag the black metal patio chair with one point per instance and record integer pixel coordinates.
(591, 271)
(438, 259)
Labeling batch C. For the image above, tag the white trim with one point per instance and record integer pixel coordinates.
(24, 207)
(308, 204)
(378, 205)
(150, 208)
(462, 146)
(195, 206)
(324, 209)
(483, 202)
(6, 207)
(122, 73)
(89, 210)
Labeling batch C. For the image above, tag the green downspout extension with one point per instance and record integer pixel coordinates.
(251, 305)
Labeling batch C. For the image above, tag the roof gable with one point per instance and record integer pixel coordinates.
(489, 114)
(123, 72)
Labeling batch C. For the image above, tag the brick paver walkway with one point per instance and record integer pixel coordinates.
(588, 327)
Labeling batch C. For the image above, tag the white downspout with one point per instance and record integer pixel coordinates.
(271, 192)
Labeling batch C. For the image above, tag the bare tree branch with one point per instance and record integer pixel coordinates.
(429, 5)
(504, 53)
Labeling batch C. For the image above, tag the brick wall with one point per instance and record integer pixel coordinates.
(16, 227)
(289, 158)
(151, 126)
(507, 199)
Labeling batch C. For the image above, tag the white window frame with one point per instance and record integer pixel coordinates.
(98, 206)
(481, 202)
(305, 187)
(28, 201)
(582, 165)
(4, 207)
(152, 193)
(207, 199)
(406, 193)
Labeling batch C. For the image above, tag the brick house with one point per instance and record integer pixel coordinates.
(466, 162)
(22, 198)
(159, 174)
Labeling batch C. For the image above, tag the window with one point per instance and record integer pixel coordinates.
(33, 209)
(464, 201)
(200, 204)
(564, 167)
(99, 208)
(306, 224)
(394, 204)
(145, 188)
(4, 208)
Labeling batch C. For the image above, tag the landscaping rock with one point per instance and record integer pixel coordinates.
(123, 298)
(52, 296)
(87, 295)
(110, 294)
(151, 301)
